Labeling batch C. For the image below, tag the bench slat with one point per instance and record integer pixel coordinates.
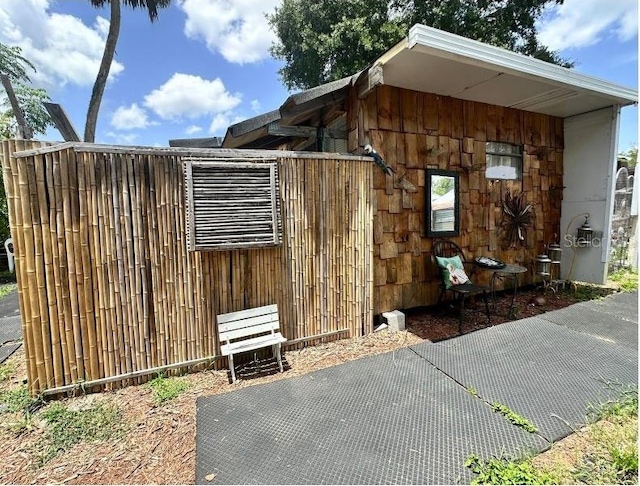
(248, 323)
(248, 331)
(244, 314)
(250, 344)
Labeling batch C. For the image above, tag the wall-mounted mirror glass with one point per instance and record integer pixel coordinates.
(443, 200)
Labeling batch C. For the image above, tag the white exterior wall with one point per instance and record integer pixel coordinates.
(590, 147)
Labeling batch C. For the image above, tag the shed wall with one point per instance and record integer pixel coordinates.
(414, 131)
(107, 286)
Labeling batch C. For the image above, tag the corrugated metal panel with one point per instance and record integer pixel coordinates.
(232, 204)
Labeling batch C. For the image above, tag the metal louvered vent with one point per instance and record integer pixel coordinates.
(232, 204)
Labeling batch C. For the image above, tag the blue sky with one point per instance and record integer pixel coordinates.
(204, 64)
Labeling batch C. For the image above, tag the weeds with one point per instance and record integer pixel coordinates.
(6, 289)
(614, 456)
(626, 279)
(513, 417)
(500, 470)
(165, 389)
(584, 292)
(65, 428)
(19, 400)
(6, 370)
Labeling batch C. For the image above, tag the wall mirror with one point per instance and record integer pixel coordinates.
(443, 203)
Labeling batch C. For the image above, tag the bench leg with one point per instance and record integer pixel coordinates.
(276, 351)
(233, 370)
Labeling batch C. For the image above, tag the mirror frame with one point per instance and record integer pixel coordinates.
(456, 211)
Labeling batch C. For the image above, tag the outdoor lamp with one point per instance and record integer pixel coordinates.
(543, 265)
(585, 232)
(555, 253)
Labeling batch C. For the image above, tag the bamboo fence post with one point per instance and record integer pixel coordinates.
(140, 164)
(14, 193)
(50, 302)
(95, 175)
(26, 250)
(86, 277)
(119, 284)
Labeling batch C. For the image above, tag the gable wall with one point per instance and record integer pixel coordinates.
(414, 131)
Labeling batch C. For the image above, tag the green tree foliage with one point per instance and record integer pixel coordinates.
(631, 156)
(324, 40)
(152, 7)
(30, 99)
(442, 185)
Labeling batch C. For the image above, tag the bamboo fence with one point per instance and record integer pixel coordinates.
(108, 290)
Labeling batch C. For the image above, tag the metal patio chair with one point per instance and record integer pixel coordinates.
(448, 249)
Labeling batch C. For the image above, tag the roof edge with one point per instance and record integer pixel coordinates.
(513, 62)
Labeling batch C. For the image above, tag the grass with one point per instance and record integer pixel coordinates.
(166, 389)
(513, 417)
(19, 400)
(502, 470)
(6, 289)
(626, 279)
(65, 428)
(605, 452)
(6, 370)
(584, 292)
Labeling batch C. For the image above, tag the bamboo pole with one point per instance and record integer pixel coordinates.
(87, 315)
(142, 254)
(95, 176)
(14, 193)
(48, 303)
(119, 284)
(26, 251)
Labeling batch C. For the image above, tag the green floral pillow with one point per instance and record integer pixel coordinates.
(452, 271)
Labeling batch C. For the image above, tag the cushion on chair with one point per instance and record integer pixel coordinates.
(452, 271)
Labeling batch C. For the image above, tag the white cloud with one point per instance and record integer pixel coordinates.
(222, 121)
(188, 96)
(237, 29)
(192, 129)
(129, 118)
(582, 23)
(120, 138)
(255, 106)
(63, 49)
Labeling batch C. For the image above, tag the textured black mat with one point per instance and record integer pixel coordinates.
(544, 372)
(6, 350)
(10, 329)
(613, 318)
(9, 305)
(388, 419)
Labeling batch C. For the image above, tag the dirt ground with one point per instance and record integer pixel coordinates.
(159, 447)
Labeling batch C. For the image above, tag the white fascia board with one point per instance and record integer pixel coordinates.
(479, 53)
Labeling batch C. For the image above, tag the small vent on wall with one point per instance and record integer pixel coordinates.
(232, 203)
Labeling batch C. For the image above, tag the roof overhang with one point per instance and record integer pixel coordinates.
(434, 61)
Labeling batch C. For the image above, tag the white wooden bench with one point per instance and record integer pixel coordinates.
(250, 329)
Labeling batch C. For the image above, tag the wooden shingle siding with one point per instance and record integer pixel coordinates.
(413, 131)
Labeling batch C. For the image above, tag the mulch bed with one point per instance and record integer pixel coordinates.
(437, 323)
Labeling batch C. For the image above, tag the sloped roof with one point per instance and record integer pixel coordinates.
(434, 61)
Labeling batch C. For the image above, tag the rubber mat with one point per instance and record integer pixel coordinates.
(10, 329)
(546, 373)
(606, 318)
(6, 350)
(387, 419)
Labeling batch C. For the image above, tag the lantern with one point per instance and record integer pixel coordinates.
(543, 265)
(585, 233)
(555, 253)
